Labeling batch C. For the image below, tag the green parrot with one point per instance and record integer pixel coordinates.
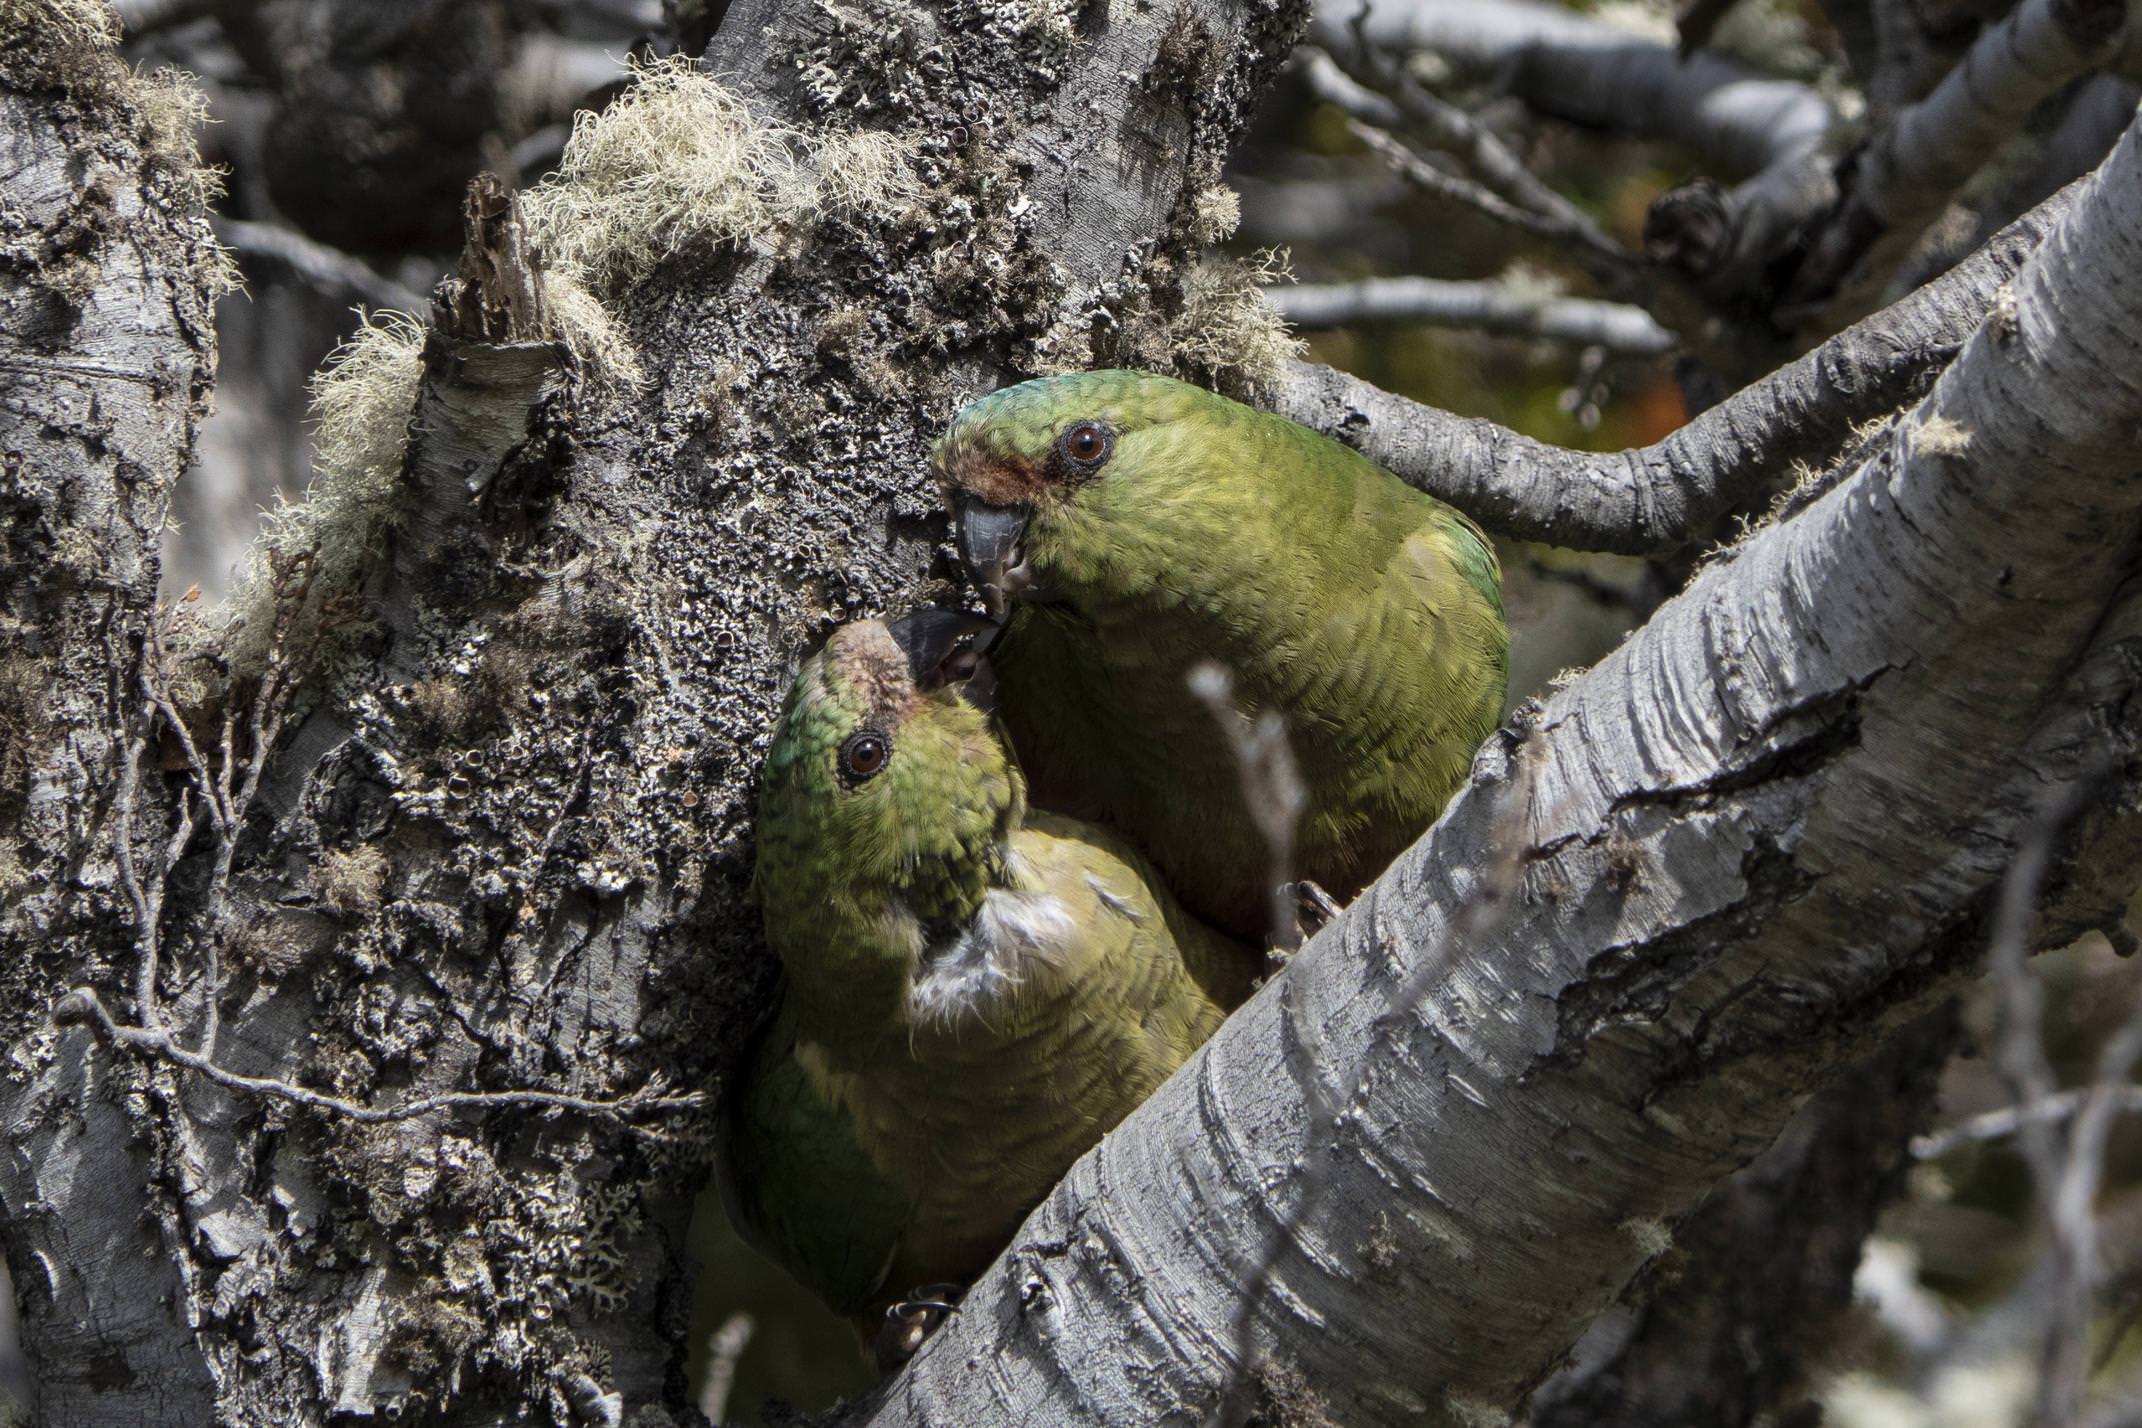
(1139, 526)
(975, 991)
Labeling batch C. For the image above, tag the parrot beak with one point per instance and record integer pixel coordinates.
(945, 647)
(992, 542)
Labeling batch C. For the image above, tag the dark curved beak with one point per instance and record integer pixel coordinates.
(992, 542)
(946, 647)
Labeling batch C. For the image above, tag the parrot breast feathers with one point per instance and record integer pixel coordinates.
(886, 809)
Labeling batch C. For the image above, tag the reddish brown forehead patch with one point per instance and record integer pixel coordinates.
(995, 478)
(866, 658)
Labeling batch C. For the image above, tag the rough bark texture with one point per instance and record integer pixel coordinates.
(106, 355)
(1753, 840)
(475, 826)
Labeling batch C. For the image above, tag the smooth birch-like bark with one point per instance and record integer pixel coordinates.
(1732, 456)
(1736, 853)
(1496, 308)
(1925, 153)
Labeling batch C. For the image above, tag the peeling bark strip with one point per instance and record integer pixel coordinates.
(1756, 837)
(503, 679)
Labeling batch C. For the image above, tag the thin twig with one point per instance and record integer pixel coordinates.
(228, 796)
(725, 1346)
(2066, 1177)
(83, 1005)
(1493, 307)
(156, 687)
(1271, 785)
(1371, 117)
(2006, 1121)
(146, 913)
(1470, 140)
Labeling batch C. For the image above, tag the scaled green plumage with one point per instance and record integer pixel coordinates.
(974, 992)
(1368, 614)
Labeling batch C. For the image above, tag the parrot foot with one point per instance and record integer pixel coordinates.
(914, 1319)
(1313, 908)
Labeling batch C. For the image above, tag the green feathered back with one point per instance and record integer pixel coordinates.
(1368, 614)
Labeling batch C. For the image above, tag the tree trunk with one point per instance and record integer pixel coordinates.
(107, 354)
(363, 941)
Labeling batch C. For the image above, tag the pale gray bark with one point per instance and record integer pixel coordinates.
(496, 859)
(1918, 160)
(328, 271)
(1572, 67)
(1806, 231)
(106, 358)
(1732, 456)
(1485, 307)
(1730, 857)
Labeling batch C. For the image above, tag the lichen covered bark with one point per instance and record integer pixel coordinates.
(454, 801)
(107, 274)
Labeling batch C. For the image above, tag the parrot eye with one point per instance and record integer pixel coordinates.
(864, 754)
(1086, 447)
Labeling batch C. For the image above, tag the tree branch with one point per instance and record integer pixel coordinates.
(328, 271)
(1657, 497)
(1916, 162)
(1756, 837)
(1529, 204)
(82, 1005)
(2006, 1121)
(501, 839)
(1499, 308)
(109, 355)
(1569, 66)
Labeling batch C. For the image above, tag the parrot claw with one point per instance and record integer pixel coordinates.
(1312, 909)
(913, 1320)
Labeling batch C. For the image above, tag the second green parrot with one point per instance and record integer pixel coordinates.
(1139, 526)
(975, 991)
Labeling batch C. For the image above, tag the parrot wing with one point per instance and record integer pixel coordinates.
(799, 1186)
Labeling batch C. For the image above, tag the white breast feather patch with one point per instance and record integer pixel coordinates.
(977, 969)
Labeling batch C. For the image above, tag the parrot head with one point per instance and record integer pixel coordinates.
(888, 798)
(1041, 477)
